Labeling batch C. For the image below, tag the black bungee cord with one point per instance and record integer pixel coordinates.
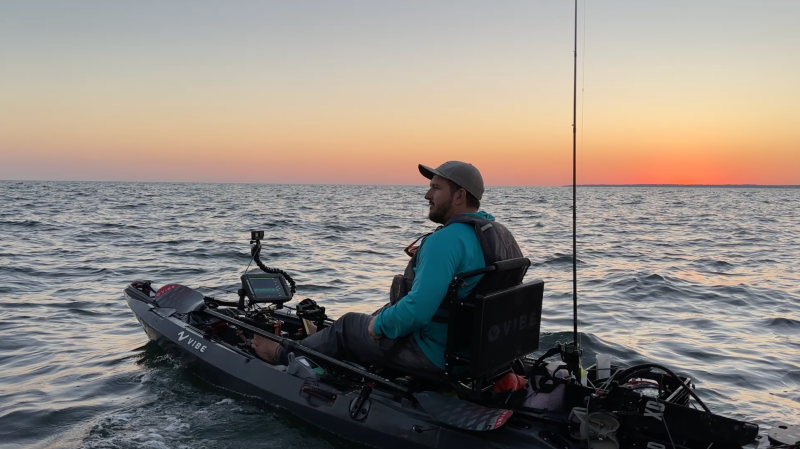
(256, 251)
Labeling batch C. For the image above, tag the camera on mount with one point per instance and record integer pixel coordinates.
(270, 286)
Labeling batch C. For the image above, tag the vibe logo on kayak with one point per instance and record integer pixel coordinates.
(194, 344)
(505, 328)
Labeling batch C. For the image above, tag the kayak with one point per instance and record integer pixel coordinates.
(547, 406)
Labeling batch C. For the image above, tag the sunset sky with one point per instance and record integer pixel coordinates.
(361, 91)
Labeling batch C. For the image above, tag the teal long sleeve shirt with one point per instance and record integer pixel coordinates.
(448, 251)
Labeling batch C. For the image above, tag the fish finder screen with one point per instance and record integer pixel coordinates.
(265, 288)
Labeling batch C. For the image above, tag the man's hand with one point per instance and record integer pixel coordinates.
(371, 329)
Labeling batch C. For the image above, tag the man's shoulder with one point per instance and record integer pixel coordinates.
(450, 236)
(458, 231)
(465, 227)
(453, 231)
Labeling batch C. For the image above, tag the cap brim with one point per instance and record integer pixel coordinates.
(428, 172)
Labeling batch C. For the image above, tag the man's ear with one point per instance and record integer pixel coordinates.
(461, 197)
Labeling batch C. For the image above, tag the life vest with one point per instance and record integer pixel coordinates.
(496, 242)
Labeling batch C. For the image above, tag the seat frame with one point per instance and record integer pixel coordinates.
(493, 327)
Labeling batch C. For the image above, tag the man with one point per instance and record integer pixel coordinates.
(415, 320)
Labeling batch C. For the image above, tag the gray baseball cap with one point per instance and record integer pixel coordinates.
(461, 173)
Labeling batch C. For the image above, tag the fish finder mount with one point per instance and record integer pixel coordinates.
(273, 286)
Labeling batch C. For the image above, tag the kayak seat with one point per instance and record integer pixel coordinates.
(489, 331)
(494, 326)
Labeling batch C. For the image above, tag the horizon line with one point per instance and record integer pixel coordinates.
(770, 186)
(790, 186)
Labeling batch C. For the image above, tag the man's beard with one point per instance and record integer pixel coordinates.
(439, 214)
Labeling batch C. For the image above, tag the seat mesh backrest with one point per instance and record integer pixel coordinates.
(501, 279)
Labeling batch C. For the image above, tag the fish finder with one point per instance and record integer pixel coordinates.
(266, 287)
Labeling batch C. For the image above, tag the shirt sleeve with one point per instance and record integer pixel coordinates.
(436, 265)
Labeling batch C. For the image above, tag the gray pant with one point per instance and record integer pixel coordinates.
(349, 339)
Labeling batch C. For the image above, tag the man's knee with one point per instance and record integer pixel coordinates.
(349, 323)
(352, 318)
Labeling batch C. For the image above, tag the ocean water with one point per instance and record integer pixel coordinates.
(703, 280)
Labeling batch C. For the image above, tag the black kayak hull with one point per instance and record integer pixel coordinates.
(387, 423)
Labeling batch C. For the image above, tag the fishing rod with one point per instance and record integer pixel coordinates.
(572, 353)
(575, 182)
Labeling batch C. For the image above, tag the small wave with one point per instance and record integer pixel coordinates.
(367, 251)
(792, 377)
(22, 224)
(338, 228)
(653, 278)
(784, 323)
(181, 271)
(718, 267)
(558, 260)
(273, 254)
(703, 355)
(310, 270)
(203, 253)
(130, 206)
(15, 305)
(318, 288)
(83, 312)
(119, 226)
(651, 285)
(716, 263)
(21, 270)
